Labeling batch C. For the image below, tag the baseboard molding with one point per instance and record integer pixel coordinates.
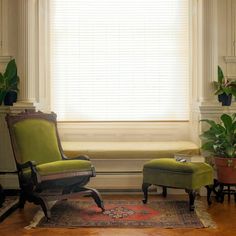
(116, 181)
(118, 165)
(128, 183)
(106, 182)
(9, 181)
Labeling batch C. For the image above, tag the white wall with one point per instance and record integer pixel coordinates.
(227, 36)
(9, 28)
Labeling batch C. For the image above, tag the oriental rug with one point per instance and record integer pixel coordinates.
(124, 213)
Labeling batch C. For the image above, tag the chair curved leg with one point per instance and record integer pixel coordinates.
(145, 187)
(22, 200)
(43, 203)
(86, 191)
(97, 198)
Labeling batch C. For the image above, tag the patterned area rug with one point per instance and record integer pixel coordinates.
(123, 213)
(9, 205)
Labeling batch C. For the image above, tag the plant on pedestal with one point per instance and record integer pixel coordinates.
(224, 88)
(220, 142)
(9, 81)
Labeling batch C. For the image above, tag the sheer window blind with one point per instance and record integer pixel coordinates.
(120, 60)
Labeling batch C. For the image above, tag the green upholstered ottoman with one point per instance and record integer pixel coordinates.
(167, 172)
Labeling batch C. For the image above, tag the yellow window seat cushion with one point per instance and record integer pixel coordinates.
(124, 150)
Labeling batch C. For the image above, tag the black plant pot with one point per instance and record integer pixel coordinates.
(220, 97)
(10, 98)
(225, 99)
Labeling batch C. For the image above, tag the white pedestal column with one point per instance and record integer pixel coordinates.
(210, 50)
(204, 63)
(27, 59)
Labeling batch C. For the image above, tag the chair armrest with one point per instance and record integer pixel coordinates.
(28, 164)
(80, 157)
(34, 173)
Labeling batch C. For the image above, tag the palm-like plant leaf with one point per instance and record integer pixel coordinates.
(227, 121)
(2, 95)
(233, 91)
(220, 139)
(11, 70)
(1, 81)
(220, 75)
(9, 80)
(223, 86)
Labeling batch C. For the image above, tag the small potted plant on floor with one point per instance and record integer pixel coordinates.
(220, 141)
(224, 88)
(9, 81)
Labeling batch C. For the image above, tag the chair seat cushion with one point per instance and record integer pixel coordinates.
(62, 167)
(171, 173)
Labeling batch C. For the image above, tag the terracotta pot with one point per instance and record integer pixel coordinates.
(226, 170)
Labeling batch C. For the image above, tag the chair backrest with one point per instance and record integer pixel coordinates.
(34, 137)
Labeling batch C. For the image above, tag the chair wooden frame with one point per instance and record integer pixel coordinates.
(33, 190)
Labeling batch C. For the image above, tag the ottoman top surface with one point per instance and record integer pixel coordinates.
(170, 164)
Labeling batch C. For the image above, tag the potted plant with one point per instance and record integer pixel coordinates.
(9, 81)
(224, 88)
(220, 141)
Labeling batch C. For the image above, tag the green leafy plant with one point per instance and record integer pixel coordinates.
(223, 85)
(220, 139)
(9, 80)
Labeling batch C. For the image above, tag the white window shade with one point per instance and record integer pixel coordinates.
(120, 60)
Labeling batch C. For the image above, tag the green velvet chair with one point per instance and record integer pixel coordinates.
(45, 173)
(167, 172)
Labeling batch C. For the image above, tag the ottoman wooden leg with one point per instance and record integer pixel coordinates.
(145, 187)
(220, 194)
(192, 195)
(164, 191)
(209, 190)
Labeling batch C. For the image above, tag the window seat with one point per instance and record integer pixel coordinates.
(134, 150)
(119, 164)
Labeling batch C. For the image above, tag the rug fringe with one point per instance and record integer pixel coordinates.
(204, 216)
(38, 217)
(8, 204)
(35, 221)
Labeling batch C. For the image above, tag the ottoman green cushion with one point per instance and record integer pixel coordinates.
(171, 173)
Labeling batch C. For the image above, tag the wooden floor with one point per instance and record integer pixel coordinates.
(223, 214)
